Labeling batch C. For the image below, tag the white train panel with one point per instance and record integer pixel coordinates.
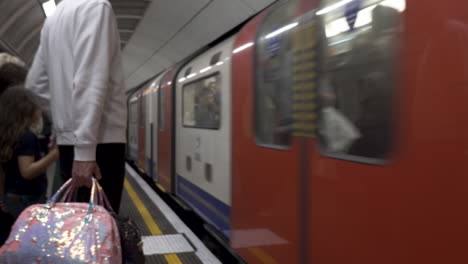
(203, 134)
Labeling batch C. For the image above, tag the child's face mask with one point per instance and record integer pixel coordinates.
(37, 127)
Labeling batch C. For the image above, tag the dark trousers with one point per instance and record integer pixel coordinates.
(111, 161)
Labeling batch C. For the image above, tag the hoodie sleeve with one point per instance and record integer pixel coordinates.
(96, 42)
(37, 80)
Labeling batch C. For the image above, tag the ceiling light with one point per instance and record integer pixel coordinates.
(336, 27)
(191, 75)
(332, 7)
(206, 69)
(281, 30)
(364, 16)
(399, 5)
(243, 47)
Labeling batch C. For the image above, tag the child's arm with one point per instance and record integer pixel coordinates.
(30, 169)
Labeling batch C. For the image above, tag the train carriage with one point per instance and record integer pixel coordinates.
(326, 132)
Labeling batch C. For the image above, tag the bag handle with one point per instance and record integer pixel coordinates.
(64, 188)
(69, 196)
(101, 198)
(69, 189)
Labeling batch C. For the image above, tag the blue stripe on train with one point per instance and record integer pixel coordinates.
(132, 153)
(152, 172)
(218, 215)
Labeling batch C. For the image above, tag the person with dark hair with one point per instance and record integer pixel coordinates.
(207, 110)
(11, 74)
(24, 168)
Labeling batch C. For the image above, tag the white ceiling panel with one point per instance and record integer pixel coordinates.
(157, 61)
(258, 5)
(143, 74)
(20, 25)
(174, 29)
(137, 51)
(136, 79)
(209, 25)
(163, 19)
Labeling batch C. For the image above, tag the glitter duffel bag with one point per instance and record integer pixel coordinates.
(64, 232)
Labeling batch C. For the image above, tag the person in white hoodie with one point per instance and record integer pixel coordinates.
(77, 74)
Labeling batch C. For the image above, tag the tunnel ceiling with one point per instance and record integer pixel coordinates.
(171, 30)
(21, 22)
(20, 27)
(129, 13)
(154, 34)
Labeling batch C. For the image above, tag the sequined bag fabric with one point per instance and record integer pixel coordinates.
(64, 233)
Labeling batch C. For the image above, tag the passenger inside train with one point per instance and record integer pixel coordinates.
(207, 109)
(361, 79)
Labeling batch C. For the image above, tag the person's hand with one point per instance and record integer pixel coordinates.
(54, 153)
(82, 172)
(3, 208)
(52, 143)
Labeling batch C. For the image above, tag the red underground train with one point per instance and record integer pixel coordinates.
(324, 132)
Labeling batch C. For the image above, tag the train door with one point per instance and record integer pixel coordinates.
(153, 155)
(141, 163)
(164, 132)
(203, 135)
(148, 108)
(151, 128)
(133, 127)
(266, 160)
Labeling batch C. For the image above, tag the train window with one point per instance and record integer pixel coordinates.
(360, 47)
(188, 71)
(201, 103)
(215, 58)
(273, 113)
(133, 111)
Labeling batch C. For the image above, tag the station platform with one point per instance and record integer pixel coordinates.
(166, 239)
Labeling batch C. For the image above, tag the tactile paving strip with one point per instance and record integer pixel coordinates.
(166, 244)
(151, 201)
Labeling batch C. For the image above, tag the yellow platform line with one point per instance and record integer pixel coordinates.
(172, 259)
(149, 220)
(161, 187)
(262, 255)
(152, 226)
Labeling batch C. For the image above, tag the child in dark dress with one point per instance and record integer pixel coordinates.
(20, 153)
